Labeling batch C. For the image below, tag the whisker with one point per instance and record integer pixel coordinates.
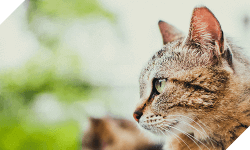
(210, 139)
(203, 134)
(191, 120)
(199, 126)
(166, 135)
(176, 137)
(208, 128)
(190, 136)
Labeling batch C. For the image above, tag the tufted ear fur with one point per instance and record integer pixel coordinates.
(205, 33)
(169, 33)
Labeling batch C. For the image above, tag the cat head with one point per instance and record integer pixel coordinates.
(114, 133)
(188, 79)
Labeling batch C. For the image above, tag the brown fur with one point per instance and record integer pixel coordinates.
(205, 103)
(115, 134)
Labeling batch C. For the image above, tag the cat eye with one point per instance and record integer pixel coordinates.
(160, 84)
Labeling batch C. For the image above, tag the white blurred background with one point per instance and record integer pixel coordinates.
(113, 54)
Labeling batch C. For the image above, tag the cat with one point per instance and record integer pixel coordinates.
(196, 88)
(116, 134)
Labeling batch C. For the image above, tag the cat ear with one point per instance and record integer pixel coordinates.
(169, 33)
(95, 121)
(205, 31)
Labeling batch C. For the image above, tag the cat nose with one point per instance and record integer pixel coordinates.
(137, 115)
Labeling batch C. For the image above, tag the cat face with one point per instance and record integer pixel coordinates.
(187, 80)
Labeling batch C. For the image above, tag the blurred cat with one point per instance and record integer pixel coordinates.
(116, 134)
(196, 88)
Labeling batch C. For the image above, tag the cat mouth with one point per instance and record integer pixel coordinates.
(159, 125)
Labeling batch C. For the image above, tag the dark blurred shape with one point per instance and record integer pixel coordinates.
(246, 21)
(116, 134)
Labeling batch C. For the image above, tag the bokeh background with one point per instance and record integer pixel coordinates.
(62, 61)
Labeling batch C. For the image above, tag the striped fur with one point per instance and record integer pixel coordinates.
(206, 102)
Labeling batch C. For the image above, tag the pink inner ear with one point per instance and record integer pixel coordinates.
(204, 26)
(168, 32)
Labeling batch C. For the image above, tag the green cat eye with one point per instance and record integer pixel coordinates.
(160, 84)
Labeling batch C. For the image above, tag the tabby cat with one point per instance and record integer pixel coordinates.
(110, 133)
(196, 88)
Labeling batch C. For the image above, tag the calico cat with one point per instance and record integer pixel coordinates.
(196, 88)
(116, 134)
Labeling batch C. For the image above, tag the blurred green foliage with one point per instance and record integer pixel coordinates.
(68, 9)
(47, 72)
(58, 74)
(20, 134)
(55, 70)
